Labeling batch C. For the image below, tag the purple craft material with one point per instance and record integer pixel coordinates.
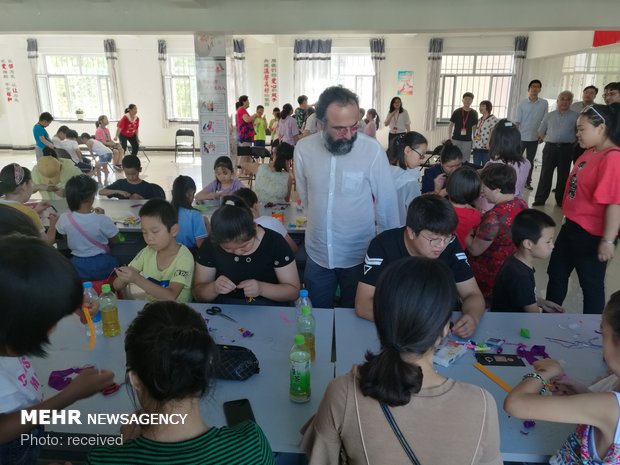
(535, 353)
(60, 379)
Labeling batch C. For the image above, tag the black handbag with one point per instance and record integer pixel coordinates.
(235, 363)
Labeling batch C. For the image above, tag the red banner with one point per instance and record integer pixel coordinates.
(605, 38)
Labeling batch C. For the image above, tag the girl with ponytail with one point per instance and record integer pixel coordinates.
(412, 310)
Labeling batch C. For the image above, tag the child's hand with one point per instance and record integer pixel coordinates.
(465, 326)
(89, 382)
(223, 285)
(53, 219)
(41, 206)
(439, 181)
(127, 274)
(136, 197)
(123, 194)
(548, 368)
(251, 287)
(568, 387)
(550, 307)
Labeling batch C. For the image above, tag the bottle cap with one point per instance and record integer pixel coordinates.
(87, 284)
(97, 318)
(106, 288)
(305, 310)
(303, 293)
(300, 340)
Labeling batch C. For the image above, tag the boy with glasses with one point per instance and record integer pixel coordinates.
(429, 232)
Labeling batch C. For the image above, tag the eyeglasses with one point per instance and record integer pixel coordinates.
(611, 92)
(421, 154)
(344, 130)
(443, 241)
(591, 107)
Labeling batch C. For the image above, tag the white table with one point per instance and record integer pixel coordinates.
(267, 391)
(354, 336)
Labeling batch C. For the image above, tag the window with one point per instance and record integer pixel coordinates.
(180, 88)
(488, 77)
(75, 82)
(356, 73)
(593, 68)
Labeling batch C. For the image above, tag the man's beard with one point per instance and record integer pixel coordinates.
(340, 146)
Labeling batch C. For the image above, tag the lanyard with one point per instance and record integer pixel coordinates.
(465, 118)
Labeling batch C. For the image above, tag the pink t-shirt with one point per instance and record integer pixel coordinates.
(371, 129)
(103, 135)
(287, 130)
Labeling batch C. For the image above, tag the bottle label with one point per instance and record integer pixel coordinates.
(300, 379)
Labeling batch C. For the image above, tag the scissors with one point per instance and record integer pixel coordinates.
(217, 311)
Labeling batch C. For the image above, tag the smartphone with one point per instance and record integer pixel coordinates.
(237, 411)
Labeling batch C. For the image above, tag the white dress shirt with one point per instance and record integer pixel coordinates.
(338, 193)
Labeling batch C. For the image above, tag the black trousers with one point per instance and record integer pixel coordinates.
(558, 156)
(530, 148)
(576, 248)
(132, 140)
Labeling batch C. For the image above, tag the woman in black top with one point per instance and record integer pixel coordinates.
(242, 262)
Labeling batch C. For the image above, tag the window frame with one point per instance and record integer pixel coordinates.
(169, 90)
(45, 77)
(454, 76)
(336, 52)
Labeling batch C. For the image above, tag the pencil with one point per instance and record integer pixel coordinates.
(493, 377)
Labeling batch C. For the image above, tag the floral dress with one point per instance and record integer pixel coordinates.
(580, 448)
(496, 226)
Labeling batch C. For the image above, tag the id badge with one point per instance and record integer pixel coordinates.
(463, 132)
(477, 136)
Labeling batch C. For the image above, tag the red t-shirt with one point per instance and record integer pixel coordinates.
(128, 129)
(469, 218)
(593, 184)
(245, 131)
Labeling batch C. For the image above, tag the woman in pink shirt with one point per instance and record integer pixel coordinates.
(102, 134)
(127, 129)
(372, 123)
(288, 131)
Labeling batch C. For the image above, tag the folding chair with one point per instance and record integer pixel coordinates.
(184, 143)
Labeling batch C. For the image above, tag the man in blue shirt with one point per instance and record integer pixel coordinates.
(41, 137)
(530, 113)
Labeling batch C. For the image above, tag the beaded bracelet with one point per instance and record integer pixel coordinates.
(544, 391)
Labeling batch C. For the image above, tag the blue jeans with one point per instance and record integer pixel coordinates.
(481, 157)
(16, 453)
(322, 283)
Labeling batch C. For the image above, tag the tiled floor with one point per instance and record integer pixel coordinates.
(163, 170)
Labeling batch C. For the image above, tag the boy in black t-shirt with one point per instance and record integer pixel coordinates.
(132, 187)
(515, 285)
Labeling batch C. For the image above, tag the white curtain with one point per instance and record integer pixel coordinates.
(516, 88)
(111, 56)
(312, 70)
(33, 59)
(239, 69)
(166, 98)
(377, 54)
(435, 50)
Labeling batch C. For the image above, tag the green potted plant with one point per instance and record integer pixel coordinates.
(79, 113)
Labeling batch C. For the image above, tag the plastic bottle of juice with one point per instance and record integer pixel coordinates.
(306, 325)
(109, 312)
(90, 303)
(299, 387)
(302, 301)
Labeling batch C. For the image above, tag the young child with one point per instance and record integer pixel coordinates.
(273, 125)
(372, 123)
(39, 287)
(491, 243)
(132, 187)
(597, 438)
(515, 285)
(16, 186)
(88, 230)
(102, 134)
(260, 127)
(72, 146)
(170, 359)
(243, 262)
(463, 188)
(101, 153)
(192, 224)
(225, 182)
(163, 269)
(250, 198)
(406, 153)
(41, 137)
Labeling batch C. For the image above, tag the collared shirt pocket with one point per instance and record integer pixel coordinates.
(352, 182)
